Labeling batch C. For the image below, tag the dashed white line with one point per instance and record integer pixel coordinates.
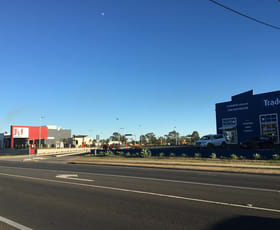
(157, 179)
(14, 224)
(147, 193)
(189, 182)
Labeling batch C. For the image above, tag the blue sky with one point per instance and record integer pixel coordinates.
(154, 64)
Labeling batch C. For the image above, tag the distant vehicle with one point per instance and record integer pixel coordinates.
(210, 141)
(257, 142)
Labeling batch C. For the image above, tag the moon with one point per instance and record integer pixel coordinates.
(102, 14)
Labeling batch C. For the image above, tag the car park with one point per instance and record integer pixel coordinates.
(210, 141)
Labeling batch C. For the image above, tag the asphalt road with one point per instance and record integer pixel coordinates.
(35, 195)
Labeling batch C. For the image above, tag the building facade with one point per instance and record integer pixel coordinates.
(82, 141)
(48, 136)
(249, 115)
(58, 137)
(22, 136)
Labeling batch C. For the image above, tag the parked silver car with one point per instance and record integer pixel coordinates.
(210, 141)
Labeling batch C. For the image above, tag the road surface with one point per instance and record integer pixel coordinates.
(49, 194)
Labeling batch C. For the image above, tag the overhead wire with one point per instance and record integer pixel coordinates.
(246, 16)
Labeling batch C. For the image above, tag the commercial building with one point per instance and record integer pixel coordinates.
(58, 137)
(249, 115)
(22, 136)
(2, 137)
(48, 136)
(82, 141)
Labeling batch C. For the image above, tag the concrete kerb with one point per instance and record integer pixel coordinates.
(189, 166)
(70, 151)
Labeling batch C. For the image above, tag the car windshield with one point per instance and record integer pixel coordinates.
(206, 138)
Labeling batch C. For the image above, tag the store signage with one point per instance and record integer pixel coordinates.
(274, 102)
(237, 107)
(21, 133)
(248, 126)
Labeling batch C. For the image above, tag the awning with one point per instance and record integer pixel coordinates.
(226, 127)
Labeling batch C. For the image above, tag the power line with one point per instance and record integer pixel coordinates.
(244, 15)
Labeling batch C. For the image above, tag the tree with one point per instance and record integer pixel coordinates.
(151, 137)
(173, 137)
(195, 136)
(116, 136)
(143, 140)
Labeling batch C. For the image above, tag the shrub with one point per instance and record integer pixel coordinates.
(162, 154)
(276, 157)
(184, 155)
(234, 157)
(120, 153)
(256, 156)
(109, 153)
(241, 157)
(172, 155)
(145, 153)
(197, 155)
(128, 154)
(213, 155)
(100, 153)
(137, 154)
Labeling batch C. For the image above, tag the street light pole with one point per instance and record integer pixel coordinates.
(41, 117)
(140, 134)
(175, 134)
(120, 134)
(118, 129)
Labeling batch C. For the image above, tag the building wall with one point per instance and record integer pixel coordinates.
(79, 140)
(33, 133)
(1, 140)
(58, 135)
(247, 108)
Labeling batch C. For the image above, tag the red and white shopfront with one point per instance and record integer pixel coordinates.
(27, 135)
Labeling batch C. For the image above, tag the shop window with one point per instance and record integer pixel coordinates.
(269, 126)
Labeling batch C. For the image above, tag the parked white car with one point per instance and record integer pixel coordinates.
(210, 141)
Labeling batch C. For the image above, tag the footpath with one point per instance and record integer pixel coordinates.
(230, 166)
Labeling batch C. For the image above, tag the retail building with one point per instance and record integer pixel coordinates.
(249, 115)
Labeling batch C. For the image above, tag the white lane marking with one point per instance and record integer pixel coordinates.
(155, 179)
(190, 182)
(72, 177)
(145, 193)
(34, 158)
(14, 224)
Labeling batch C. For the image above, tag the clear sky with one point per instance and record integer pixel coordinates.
(154, 64)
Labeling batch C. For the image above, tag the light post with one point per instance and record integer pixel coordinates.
(41, 117)
(120, 134)
(140, 134)
(118, 128)
(175, 134)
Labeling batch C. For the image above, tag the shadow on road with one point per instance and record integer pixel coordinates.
(248, 223)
